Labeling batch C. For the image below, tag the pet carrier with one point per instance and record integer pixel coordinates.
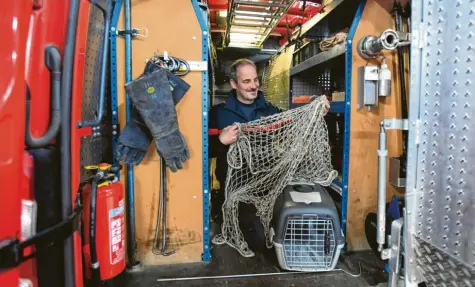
(306, 229)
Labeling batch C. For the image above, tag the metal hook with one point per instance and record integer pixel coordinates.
(136, 32)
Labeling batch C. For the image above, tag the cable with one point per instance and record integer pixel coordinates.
(255, 275)
(65, 136)
(162, 215)
(174, 65)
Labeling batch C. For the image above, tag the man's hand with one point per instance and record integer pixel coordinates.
(327, 106)
(229, 135)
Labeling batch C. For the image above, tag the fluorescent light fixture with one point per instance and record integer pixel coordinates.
(245, 30)
(244, 22)
(249, 17)
(244, 36)
(223, 13)
(257, 13)
(247, 40)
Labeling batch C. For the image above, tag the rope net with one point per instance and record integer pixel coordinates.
(271, 153)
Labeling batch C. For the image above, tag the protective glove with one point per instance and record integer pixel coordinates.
(177, 85)
(135, 138)
(153, 99)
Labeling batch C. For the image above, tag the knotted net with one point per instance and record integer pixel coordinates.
(271, 153)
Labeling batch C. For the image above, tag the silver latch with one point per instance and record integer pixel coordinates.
(396, 124)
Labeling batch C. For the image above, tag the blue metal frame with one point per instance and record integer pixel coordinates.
(346, 136)
(337, 107)
(113, 79)
(130, 187)
(201, 15)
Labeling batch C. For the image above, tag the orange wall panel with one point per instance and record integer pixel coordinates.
(172, 26)
(364, 135)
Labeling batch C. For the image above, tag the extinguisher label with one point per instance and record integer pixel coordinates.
(116, 231)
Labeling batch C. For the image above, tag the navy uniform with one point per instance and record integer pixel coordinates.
(221, 116)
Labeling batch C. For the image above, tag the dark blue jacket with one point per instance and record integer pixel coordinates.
(226, 114)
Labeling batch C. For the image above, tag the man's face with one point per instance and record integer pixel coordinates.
(247, 83)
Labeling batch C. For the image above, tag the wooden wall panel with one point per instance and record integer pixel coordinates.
(364, 138)
(172, 26)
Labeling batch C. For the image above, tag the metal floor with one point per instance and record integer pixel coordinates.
(226, 262)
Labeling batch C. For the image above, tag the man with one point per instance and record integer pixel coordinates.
(244, 103)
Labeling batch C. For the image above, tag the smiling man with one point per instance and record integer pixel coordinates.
(245, 103)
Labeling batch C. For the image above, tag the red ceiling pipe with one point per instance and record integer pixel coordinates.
(218, 6)
(311, 9)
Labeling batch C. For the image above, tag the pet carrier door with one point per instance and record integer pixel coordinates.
(306, 227)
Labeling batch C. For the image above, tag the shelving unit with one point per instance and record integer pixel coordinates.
(318, 59)
(315, 72)
(310, 24)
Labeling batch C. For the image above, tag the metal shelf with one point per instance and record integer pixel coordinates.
(318, 59)
(305, 80)
(315, 19)
(335, 107)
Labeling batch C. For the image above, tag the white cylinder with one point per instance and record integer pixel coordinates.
(381, 211)
(384, 80)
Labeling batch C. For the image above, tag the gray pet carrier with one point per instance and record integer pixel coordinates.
(306, 229)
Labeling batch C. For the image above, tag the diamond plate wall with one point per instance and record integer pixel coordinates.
(441, 165)
(440, 269)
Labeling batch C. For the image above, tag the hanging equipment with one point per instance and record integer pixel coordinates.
(397, 8)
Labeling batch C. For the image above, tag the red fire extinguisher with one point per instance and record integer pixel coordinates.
(103, 225)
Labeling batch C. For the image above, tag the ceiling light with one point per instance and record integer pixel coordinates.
(244, 22)
(223, 13)
(249, 17)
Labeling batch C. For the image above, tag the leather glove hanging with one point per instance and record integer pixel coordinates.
(152, 97)
(135, 138)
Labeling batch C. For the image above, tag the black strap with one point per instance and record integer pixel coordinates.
(12, 250)
(133, 32)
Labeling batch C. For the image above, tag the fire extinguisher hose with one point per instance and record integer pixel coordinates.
(96, 276)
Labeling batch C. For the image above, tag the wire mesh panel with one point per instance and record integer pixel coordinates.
(302, 86)
(441, 186)
(95, 148)
(276, 79)
(92, 66)
(324, 80)
(309, 242)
